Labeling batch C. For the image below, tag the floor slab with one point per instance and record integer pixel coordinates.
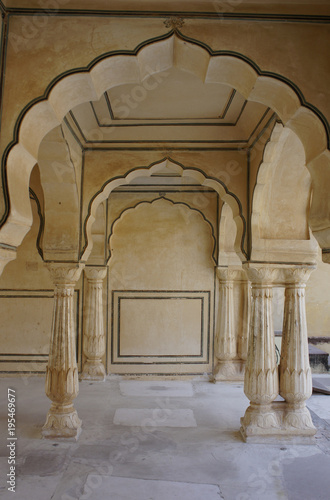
(141, 489)
(166, 388)
(156, 417)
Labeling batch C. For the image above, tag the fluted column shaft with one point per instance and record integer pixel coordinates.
(295, 372)
(243, 338)
(94, 339)
(62, 372)
(226, 339)
(261, 382)
(261, 376)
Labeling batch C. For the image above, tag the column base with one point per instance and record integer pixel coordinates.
(93, 370)
(62, 422)
(278, 422)
(232, 370)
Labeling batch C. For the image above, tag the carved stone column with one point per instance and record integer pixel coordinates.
(295, 372)
(94, 341)
(261, 383)
(226, 344)
(62, 371)
(243, 337)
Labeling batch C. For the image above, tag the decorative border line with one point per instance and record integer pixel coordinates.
(177, 294)
(214, 15)
(151, 120)
(200, 355)
(34, 197)
(169, 124)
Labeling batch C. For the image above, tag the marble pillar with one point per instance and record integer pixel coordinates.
(226, 345)
(94, 338)
(261, 382)
(295, 372)
(62, 371)
(232, 333)
(243, 336)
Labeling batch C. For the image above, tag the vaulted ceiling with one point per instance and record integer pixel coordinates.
(172, 106)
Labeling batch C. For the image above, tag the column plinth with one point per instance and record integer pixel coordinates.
(62, 385)
(94, 339)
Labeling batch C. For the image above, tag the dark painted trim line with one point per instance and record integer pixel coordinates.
(238, 16)
(248, 213)
(261, 133)
(41, 224)
(8, 247)
(65, 120)
(3, 52)
(279, 262)
(228, 104)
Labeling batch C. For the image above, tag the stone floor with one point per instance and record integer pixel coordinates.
(159, 440)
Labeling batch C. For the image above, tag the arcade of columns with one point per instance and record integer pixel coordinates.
(253, 346)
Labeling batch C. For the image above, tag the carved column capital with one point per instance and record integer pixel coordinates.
(297, 275)
(231, 274)
(262, 274)
(63, 273)
(95, 273)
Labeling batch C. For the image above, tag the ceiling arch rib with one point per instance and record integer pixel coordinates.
(82, 87)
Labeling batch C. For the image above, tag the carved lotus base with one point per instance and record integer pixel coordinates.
(299, 419)
(93, 370)
(277, 422)
(228, 370)
(62, 422)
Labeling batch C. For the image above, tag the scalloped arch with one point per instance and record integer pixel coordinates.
(226, 196)
(156, 200)
(172, 50)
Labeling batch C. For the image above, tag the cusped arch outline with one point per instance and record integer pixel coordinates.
(151, 202)
(183, 171)
(117, 68)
